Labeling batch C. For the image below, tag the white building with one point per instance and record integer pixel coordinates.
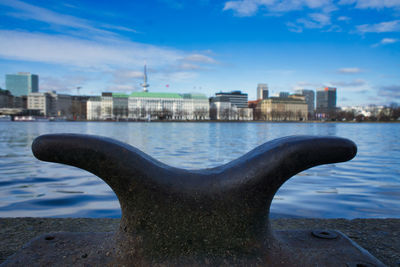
(41, 102)
(106, 106)
(222, 109)
(93, 108)
(366, 111)
(146, 105)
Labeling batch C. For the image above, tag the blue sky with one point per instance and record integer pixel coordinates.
(206, 46)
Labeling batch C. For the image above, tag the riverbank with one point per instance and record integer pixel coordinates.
(381, 237)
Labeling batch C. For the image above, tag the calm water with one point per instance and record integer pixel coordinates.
(368, 186)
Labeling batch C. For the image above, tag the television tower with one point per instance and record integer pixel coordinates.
(145, 84)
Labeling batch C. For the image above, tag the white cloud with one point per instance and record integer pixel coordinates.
(242, 8)
(294, 27)
(378, 4)
(354, 83)
(199, 58)
(389, 41)
(67, 83)
(386, 41)
(390, 92)
(349, 70)
(315, 20)
(251, 7)
(22, 10)
(59, 49)
(343, 18)
(307, 85)
(121, 59)
(125, 76)
(122, 88)
(388, 26)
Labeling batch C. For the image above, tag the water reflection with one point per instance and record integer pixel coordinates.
(367, 186)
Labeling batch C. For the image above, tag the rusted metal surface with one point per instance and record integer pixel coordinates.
(215, 216)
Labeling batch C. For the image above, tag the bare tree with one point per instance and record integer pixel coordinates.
(224, 114)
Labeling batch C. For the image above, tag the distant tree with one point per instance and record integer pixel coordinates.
(224, 114)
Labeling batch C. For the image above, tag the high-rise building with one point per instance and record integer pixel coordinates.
(310, 99)
(236, 98)
(22, 83)
(262, 91)
(326, 102)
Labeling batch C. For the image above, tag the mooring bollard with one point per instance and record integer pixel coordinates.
(216, 216)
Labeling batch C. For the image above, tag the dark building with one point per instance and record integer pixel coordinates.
(284, 94)
(236, 98)
(326, 102)
(6, 99)
(310, 99)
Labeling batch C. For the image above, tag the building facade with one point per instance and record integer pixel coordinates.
(236, 98)
(283, 109)
(93, 108)
(326, 102)
(60, 105)
(222, 109)
(148, 106)
(284, 94)
(310, 100)
(262, 91)
(22, 83)
(6, 99)
(40, 102)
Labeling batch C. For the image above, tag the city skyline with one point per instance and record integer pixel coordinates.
(206, 46)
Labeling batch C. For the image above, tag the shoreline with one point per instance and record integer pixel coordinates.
(211, 121)
(381, 237)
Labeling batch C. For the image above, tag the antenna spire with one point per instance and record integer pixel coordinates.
(145, 85)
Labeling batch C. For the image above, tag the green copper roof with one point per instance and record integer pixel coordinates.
(194, 96)
(119, 95)
(155, 95)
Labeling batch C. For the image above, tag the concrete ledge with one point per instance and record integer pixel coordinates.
(381, 237)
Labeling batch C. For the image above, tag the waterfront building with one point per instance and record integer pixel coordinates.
(284, 94)
(245, 114)
(93, 108)
(40, 102)
(22, 83)
(6, 99)
(106, 106)
(262, 91)
(310, 100)
(148, 105)
(326, 102)
(60, 105)
(236, 98)
(168, 106)
(78, 109)
(51, 104)
(222, 109)
(366, 111)
(283, 109)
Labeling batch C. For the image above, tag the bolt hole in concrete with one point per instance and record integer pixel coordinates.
(49, 237)
(324, 234)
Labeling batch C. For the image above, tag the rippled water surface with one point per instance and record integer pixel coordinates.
(367, 187)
